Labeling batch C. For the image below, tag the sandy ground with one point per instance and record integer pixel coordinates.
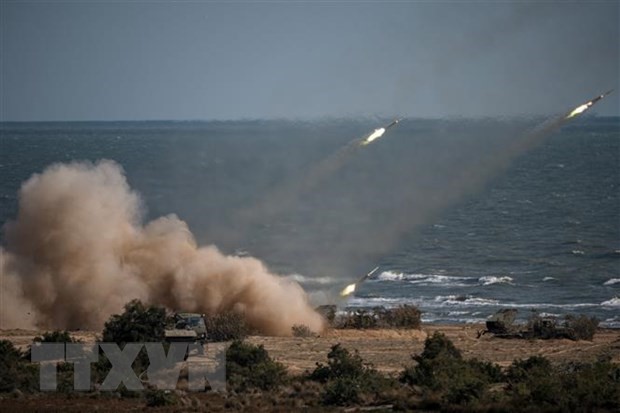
(390, 350)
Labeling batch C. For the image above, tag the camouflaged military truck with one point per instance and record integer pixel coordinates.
(188, 327)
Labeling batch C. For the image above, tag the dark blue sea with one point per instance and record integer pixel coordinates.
(463, 217)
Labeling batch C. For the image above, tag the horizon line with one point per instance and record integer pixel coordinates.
(305, 120)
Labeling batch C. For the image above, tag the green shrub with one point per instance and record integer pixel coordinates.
(441, 371)
(56, 336)
(358, 319)
(341, 391)
(340, 363)
(574, 327)
(590, 387)
(138, 323)
(534, 382)
(582, 327)
(11, 363)
(537, 384)
(155, 398)
(347, 378)
(226, 326)
(439, 345)
(16, 371)
(404, 316)
(249, 366)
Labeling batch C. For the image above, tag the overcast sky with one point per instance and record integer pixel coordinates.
(110, 60)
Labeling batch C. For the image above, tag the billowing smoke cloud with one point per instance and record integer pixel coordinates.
(77, 252)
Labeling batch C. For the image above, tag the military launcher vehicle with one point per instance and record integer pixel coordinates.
(187, 327)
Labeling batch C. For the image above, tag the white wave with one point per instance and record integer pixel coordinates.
(546, 305)
(464, 300)
(614, 302)
(613, 322)
(610, 324)
(577, 252)
(379, 301)
(442, 279)
(390, 276)
(548, 279)
(489, 280)
(612, 281)
(424, 279)
(453, 313)
(553, 315)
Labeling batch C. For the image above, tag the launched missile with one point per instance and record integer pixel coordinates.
(350, 289)
(367, 276)
(394, 122)
(582, 108)
(378, 133)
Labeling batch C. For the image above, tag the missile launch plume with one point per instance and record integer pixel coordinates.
(584, 107)
(378, 133)
(77, 253)
(284, 197)
(375, 135)
(350, 289)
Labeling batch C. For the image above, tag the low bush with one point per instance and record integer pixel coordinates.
(582, 327)
(57, 336)
(347, 378)
(137, 323)
(156, 398)
(442, 372)
(533, 382)
(16, 372)
(340, 362)
(404, 316)
(226, 326)
(358, 319)
(249, 366)
(591, 387)
(301, 330)
(537, 384)
(573, 327)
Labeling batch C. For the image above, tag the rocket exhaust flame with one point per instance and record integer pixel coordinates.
(350, 289)
(378, 133)
(375, 135)
(582, 108)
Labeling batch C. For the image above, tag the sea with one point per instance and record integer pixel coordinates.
(462, 217)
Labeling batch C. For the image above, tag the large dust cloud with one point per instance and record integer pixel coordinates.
(78, 252)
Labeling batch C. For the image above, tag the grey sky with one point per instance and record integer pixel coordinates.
(215, 60)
